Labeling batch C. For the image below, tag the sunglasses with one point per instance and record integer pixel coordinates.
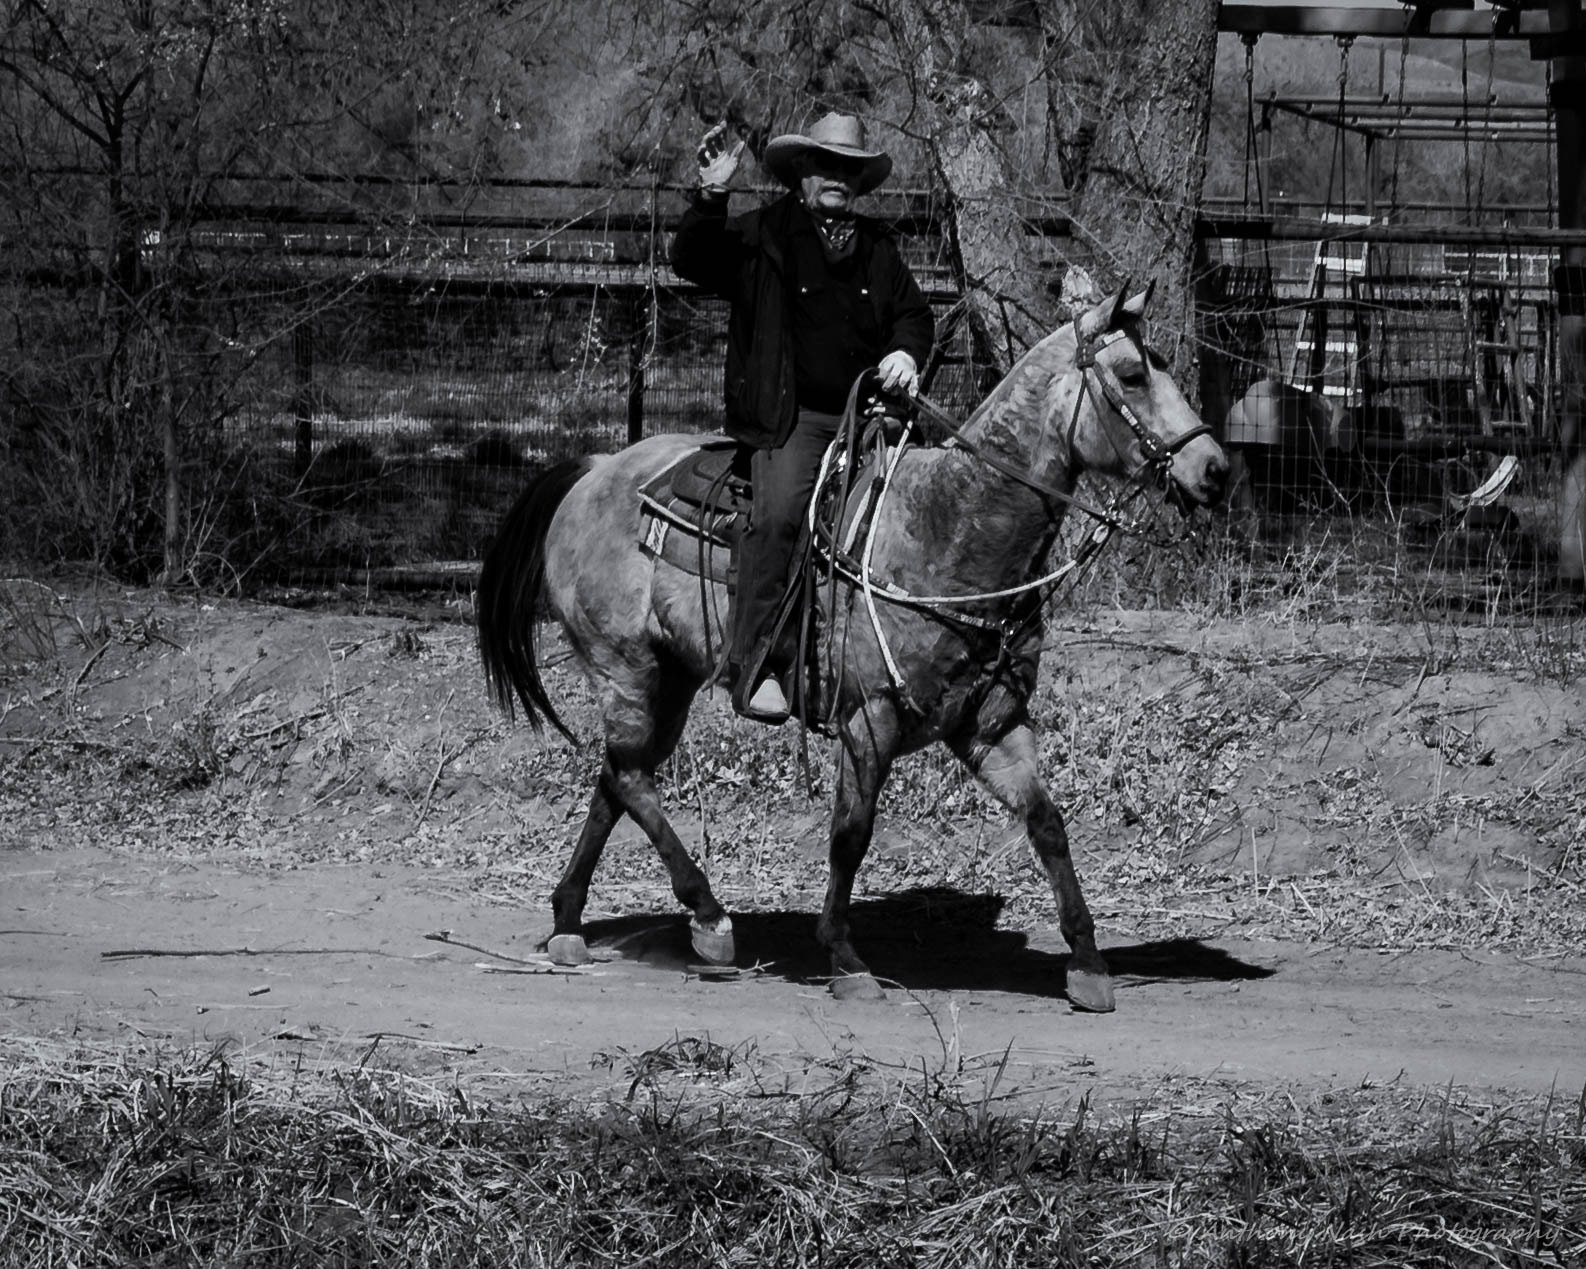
(820, 163)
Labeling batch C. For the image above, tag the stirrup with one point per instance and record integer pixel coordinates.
(766, 704)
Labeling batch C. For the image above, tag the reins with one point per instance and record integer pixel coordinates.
(1158, 460)
(1158, 453)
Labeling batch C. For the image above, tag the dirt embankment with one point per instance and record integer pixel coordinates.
(1322, 853)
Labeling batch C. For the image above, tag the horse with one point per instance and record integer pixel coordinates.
(973, 520)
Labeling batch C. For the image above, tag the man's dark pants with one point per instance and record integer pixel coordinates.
(784, 481)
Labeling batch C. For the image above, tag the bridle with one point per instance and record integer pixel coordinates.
(1158, 454)
(1156, 468)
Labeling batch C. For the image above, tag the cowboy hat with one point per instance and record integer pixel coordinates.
(842, 135)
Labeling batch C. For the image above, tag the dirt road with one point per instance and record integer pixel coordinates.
(334, 961)
(276, 808)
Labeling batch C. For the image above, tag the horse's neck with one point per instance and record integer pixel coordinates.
(1024, 423)
(1017, 420)
(975, 523)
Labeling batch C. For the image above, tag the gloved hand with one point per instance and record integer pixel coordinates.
(898, 373)
(718, 158)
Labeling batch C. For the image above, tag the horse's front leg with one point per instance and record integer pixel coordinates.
(566, 945)
(1008, 768)
(869, 742)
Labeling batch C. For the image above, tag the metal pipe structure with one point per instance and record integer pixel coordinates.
(1438, 20)
(1567, 93)
(1380, 118)
(1296, 229)
(1556, 33)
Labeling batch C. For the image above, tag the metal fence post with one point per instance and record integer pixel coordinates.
(638, 336)
(303, 394)
(639, 330)
(1568, 98)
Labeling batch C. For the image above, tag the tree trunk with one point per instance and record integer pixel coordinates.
(1006, 279)
(1132, 112)
(1006, 299)
(1130, 99)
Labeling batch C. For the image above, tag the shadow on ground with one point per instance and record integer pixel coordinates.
(930, 939)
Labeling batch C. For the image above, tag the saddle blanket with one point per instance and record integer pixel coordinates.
(694, 510)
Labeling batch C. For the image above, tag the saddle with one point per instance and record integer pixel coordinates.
(695, 509)
(694, 512)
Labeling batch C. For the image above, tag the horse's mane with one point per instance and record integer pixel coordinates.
(1007, 421)
(1025, 387)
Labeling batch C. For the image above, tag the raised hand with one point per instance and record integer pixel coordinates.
(718, 156)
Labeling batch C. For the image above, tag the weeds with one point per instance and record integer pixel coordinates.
(195, 1158)
(1232, 775)
(29, 611)
(198, 749)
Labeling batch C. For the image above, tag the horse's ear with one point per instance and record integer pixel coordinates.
(1119, 304)
(1100, 318)
(1137, 304)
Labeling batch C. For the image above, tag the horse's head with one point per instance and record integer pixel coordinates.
(1129, 418)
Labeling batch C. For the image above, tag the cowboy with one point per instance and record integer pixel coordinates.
(819, 294)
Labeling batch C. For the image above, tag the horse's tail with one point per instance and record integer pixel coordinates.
(511, 595)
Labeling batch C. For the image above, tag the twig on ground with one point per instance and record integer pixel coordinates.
(88, 666)
(134, 953)
(377, 1036)
(81, 742)
(543, 967)
(445, 936)
(446, 758)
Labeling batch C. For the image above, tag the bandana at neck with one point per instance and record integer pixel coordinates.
(837, 233)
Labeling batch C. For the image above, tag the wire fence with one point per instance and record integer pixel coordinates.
(418, 416)
(418, 412)
(1358, 378)
(366, 402)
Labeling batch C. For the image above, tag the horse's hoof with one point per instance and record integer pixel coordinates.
(1090, 991)
(714, 942)
(857, 987)
(568, 949)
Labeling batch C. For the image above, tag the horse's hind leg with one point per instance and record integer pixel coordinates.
(1008, 768)
(643, 725)
(567, 946)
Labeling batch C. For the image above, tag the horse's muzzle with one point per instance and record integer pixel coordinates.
(1199, 481)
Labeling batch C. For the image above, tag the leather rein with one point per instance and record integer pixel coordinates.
(1158, 460)
(1157, 464)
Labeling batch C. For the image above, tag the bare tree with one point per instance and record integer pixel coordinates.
(1133, 112)
(1118, 143)
(126, 122)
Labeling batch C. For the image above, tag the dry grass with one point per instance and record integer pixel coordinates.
(694, 1154)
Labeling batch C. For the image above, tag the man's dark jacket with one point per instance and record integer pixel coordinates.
(744, 260)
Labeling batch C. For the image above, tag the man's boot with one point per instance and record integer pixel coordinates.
(766, 704)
